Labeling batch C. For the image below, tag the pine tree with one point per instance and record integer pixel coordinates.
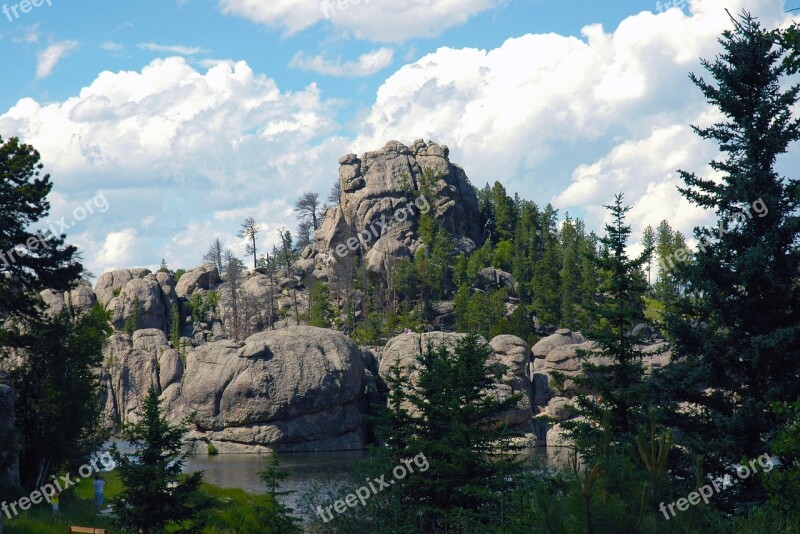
(175, 326)
(738, 329)
(570, 272)
(452, 405)
(57, 390)
(546, 283)
(616, 387)
(320, 312)
(277, 517)
(30, 261)
(649, 243)
(155, 493)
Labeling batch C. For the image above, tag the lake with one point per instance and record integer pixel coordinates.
(304, 469)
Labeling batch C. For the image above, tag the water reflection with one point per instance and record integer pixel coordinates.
(304, 469)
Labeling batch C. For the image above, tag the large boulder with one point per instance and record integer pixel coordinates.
(203, 277)
(130, 367)
(82, 299)
(491, 278)
(295, 389)
(381, 204)
(145, 294)
(562, 337)
(110, 284)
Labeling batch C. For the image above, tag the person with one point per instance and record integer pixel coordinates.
(54, 501)
(99, 490)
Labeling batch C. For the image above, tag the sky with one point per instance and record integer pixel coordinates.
(165, 123)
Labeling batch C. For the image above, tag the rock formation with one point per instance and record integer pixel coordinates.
(380, 205)
(296, 389)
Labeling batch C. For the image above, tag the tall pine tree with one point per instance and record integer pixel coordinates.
(738, 331)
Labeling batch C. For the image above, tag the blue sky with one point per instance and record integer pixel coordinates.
(187, 116)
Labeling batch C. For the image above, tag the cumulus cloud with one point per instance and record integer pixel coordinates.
(386, 21)
(50, 56)
(366, 64)
(173, 49)
(117, 249)
(175, 144)
(566, 119)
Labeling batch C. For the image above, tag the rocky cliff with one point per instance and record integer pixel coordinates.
(380, 204)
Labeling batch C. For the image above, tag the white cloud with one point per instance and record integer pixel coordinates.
(180, 146)
(173, 49)
(386, 21)
(117, 250)
(566, 119)
(49, 57)
(366, 64)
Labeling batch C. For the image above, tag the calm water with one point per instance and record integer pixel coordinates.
(304, 469)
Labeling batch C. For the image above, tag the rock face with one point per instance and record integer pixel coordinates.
(296, 389)
(380, 206)
(131, 367)
(202, 277)
(119, 291)
(81, 298)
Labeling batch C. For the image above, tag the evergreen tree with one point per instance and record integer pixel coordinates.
(30, 261)
(570, 272)
(175, 326)
(57, 390)
(249, 231)
(155, 494)
(214, 255)
(738, 330)
(320, 312)
(616, 403)
(132, 321)
(278, 517)
(546, 283)
(649, 243)
(505, 214)
(450, 424)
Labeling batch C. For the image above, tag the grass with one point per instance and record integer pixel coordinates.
(76, 509)
(234, 511)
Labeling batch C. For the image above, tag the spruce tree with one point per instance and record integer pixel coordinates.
(446, 416)
(615, 406)
(155, 493)
(738, 330)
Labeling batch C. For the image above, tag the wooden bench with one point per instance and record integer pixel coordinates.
(87, 530)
